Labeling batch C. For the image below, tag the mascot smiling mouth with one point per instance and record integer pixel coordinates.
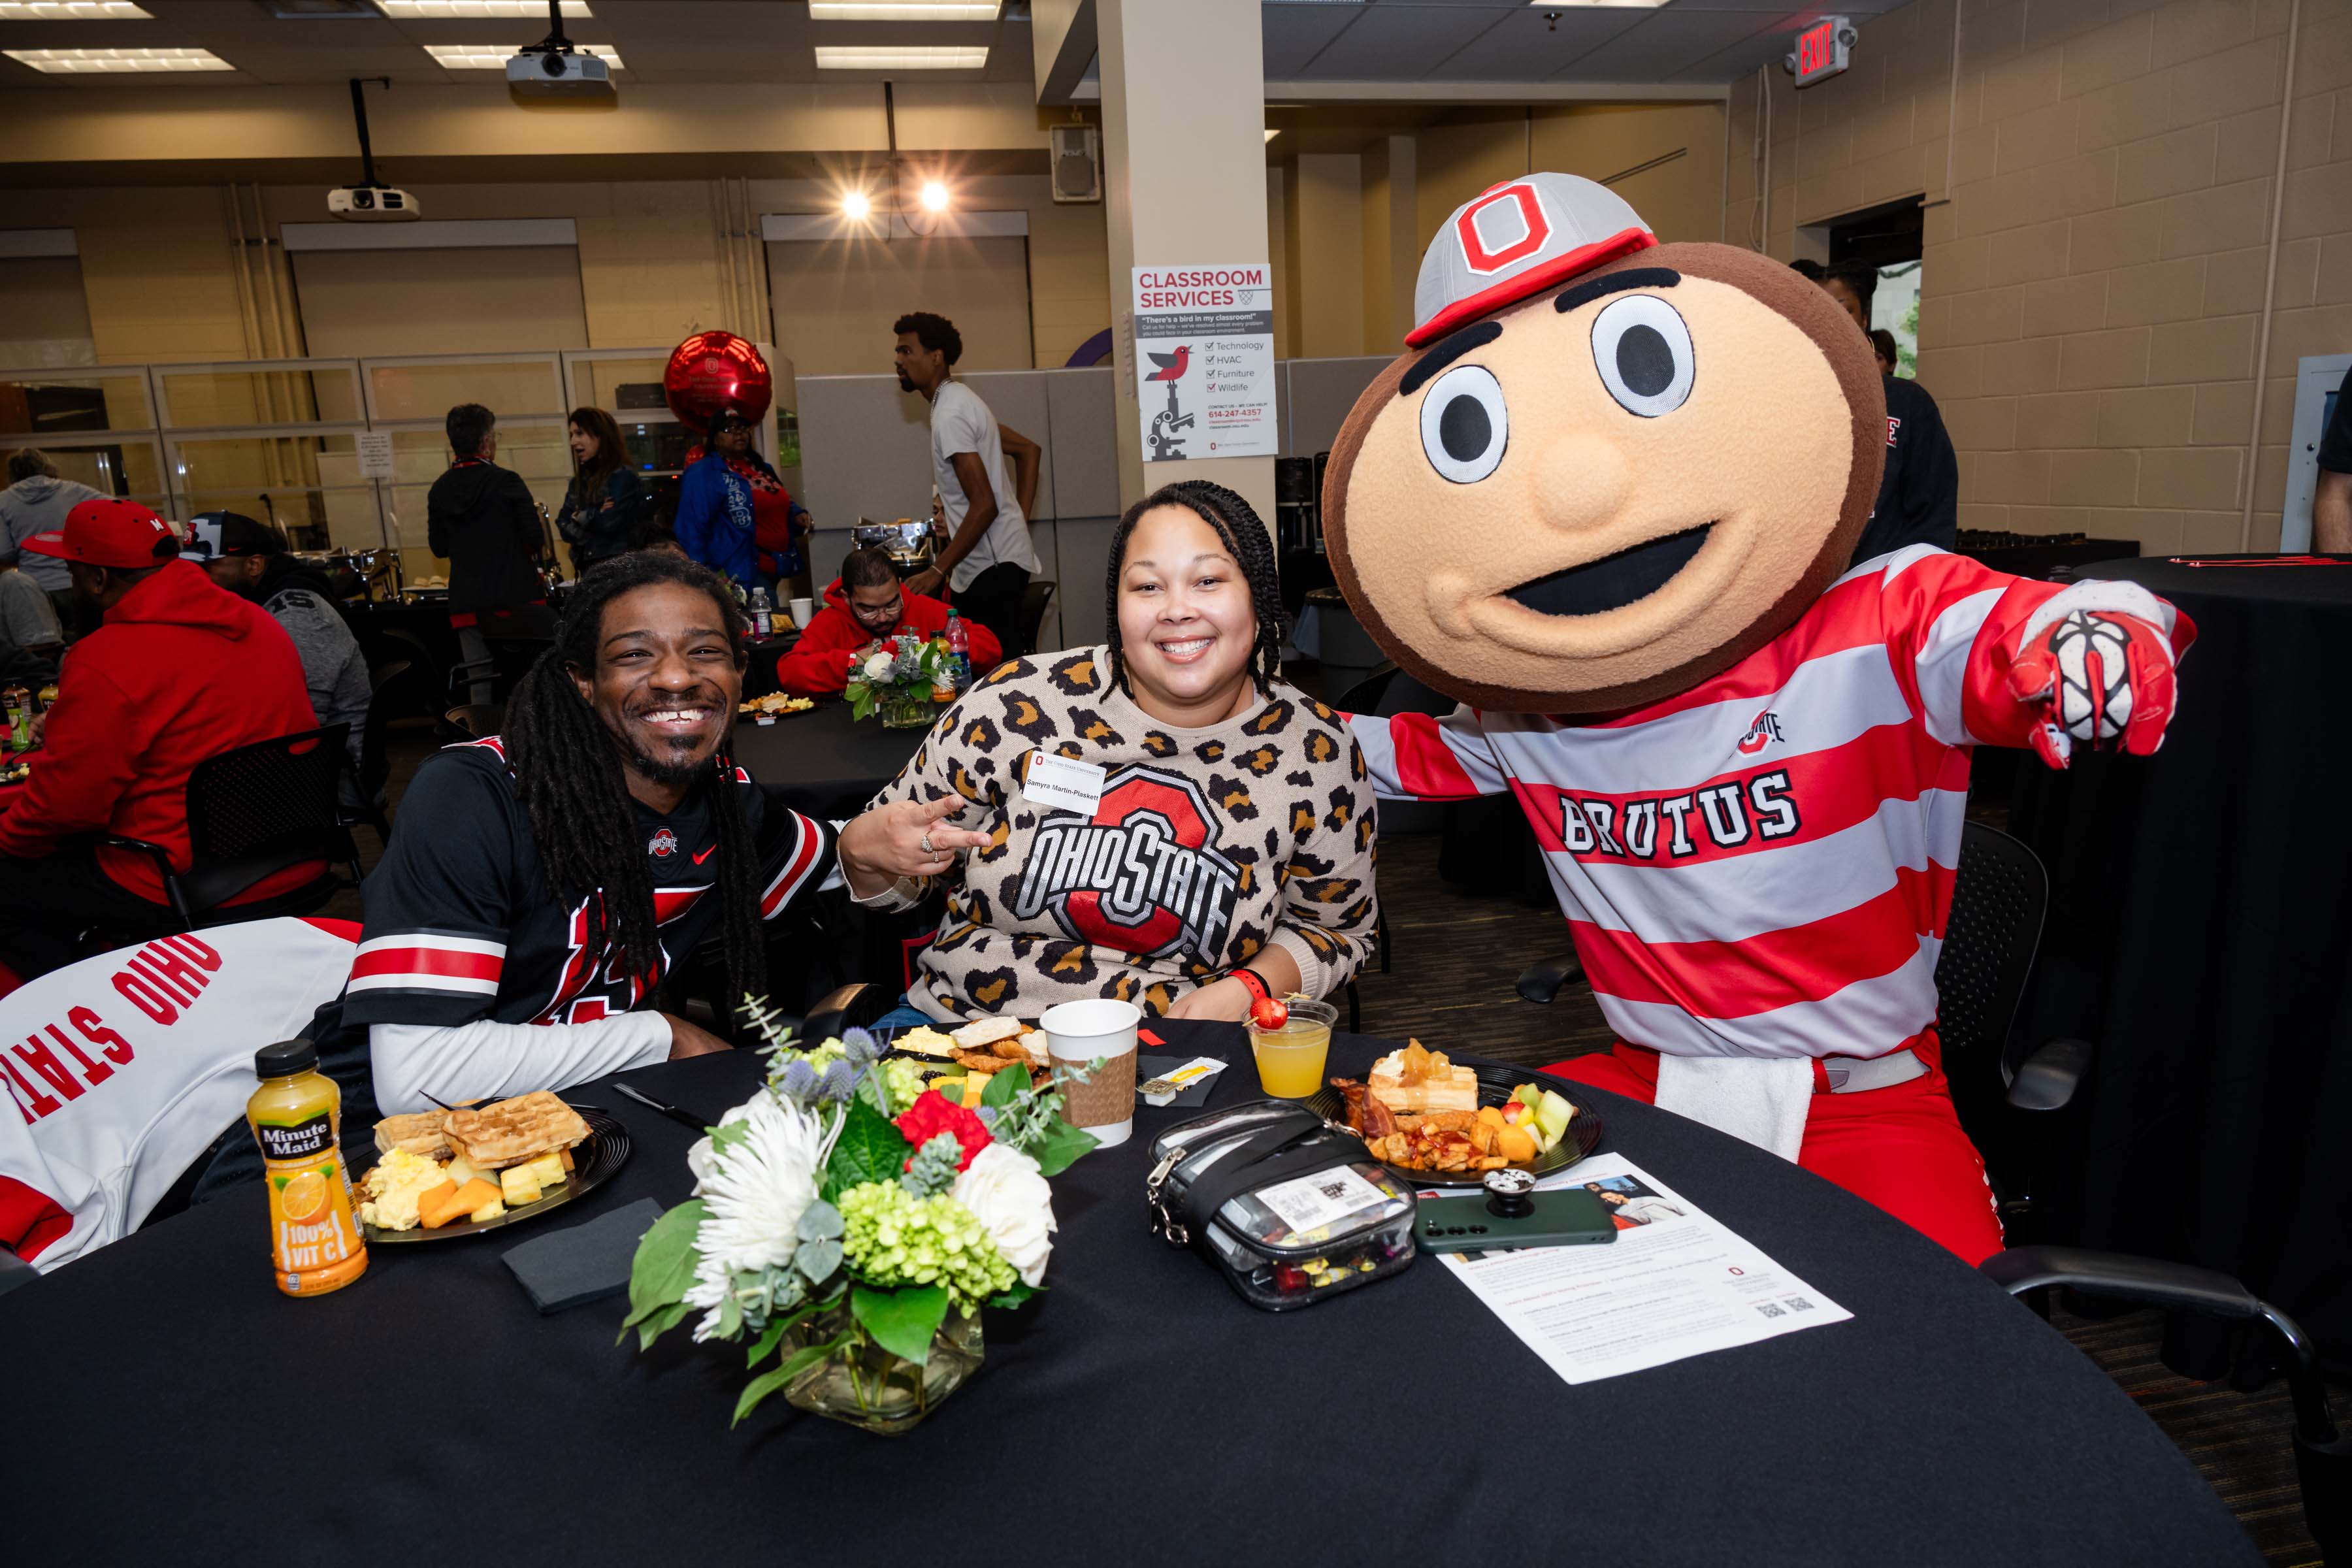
(1613, 580)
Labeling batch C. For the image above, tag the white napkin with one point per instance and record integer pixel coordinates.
(1762, 1100)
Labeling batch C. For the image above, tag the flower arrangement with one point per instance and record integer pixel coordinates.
(898, 674)
(857, 1221)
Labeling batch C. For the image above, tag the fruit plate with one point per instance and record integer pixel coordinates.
(1494, 1085)
(593, 1164)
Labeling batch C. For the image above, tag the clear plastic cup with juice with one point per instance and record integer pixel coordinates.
(1290, 1058)
(315, 1243)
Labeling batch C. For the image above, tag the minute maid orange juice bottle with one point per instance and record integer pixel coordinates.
(296, 1115)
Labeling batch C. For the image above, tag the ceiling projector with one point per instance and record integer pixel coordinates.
(559, 73)
(373, 203)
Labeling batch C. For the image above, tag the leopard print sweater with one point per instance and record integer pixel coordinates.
(1206, 845)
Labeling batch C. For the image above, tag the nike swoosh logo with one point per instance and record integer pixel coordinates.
(698, 859)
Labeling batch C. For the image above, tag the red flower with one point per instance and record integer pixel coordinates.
(931, 1115)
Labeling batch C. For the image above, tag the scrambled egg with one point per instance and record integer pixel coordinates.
(393, 1187)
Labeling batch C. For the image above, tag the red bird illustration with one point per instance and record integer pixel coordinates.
(1172, 366)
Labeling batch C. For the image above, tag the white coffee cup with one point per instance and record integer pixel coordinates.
(1077, 1032)
(801, 613)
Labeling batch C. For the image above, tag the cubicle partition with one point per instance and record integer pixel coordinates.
(279, 439)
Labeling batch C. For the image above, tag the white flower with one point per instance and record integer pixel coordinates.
(753, 1192)
(1004, 1192)
(878, 667)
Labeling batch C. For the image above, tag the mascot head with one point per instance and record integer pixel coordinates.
(1607, 469)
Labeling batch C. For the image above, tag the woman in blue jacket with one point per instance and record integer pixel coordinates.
(734, 514)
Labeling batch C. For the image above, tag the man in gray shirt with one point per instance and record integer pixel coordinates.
(250, 557)
(36, 501)
(29, 640)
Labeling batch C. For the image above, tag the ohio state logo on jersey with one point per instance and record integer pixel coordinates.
(1761, 733)
(662, 845)
(1143, 876)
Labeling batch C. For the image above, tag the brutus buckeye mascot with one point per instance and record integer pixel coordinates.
(1606, 501)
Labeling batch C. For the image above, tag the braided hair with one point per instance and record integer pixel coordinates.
(568, 768)
(1235, 523)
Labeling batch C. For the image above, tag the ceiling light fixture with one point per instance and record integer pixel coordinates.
(493, 57)
(903, 10)
(935, 196)
(901, 58)
(856, 205)
(118, 62)
(1271, 133)
(473, 10)
(72, 11)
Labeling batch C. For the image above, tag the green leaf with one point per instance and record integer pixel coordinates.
(902, 1322)
(870, 1091)
(1019, 1293)
(768, 1336)
(817, 1260)
(1003, 1084)
(663, 1269)
(869, 1149)
(727, 1134)
(767, 1383)
(1060, 1147)
(730, 1315)
(664, 1320)
(819, 1222)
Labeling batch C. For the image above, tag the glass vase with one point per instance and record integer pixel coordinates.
(866, 1385)
(906, 708)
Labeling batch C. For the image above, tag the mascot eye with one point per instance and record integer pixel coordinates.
(1464, 424)
(1642, 351)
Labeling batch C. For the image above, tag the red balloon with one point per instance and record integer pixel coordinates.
(711, 371)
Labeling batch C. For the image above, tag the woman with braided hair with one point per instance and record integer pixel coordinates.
(1159, 819)
(541, 884)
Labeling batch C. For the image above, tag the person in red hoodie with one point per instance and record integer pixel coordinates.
(863, 605)
(180, 671)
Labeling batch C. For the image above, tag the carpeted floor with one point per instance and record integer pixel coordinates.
(1453, 963)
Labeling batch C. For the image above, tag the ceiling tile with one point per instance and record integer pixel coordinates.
(1664, 42)
(1523, 48)
(1296, 34)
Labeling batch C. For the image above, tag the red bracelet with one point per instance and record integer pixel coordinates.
(1253, 983)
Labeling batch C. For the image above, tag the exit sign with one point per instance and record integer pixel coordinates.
(1823, 50)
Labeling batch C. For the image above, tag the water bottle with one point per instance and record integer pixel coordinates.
(959, 651)
(763, 612)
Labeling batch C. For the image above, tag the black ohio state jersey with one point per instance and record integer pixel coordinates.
(460, 926)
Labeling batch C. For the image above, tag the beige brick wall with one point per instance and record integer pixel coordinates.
(2091, 300)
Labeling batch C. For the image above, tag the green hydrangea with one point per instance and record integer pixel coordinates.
(892, 1238)
(902, 1078)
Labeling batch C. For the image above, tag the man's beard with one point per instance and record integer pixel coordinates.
(905, 385)
(673, 771)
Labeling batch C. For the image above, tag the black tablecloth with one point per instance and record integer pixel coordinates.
(825, 762)
(164, 1403)
(2201, 934)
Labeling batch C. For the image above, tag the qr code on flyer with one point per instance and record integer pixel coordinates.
(1769, 1311)
(1798, 1304)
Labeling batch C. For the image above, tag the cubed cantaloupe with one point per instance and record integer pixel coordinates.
(450, 1201)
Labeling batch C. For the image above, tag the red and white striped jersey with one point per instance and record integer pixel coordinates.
(1762, 865)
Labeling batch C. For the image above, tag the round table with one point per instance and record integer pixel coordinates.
(2199, 923)
(825, 762)
(162, 1394)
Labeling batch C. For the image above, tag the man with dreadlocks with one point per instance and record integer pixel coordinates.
(1159, 819)
(541, 884)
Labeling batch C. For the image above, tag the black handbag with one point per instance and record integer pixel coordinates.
(1290, 1209)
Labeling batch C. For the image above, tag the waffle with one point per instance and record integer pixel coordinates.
(514, 1131)
(422, 1133)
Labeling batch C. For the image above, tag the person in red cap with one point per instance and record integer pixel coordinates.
(179, 670)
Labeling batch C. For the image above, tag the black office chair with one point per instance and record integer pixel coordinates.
(472, 721)
(2323, 1454)
(253, 812)
(388, 685)
(1033, 601)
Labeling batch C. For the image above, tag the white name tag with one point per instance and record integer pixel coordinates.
(1060, 784)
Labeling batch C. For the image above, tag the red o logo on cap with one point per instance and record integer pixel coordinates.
(1536, 227)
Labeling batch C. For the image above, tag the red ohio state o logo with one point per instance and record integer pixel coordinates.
(1536, 227)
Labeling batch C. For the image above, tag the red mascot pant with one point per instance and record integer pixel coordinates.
(1900, 1147)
